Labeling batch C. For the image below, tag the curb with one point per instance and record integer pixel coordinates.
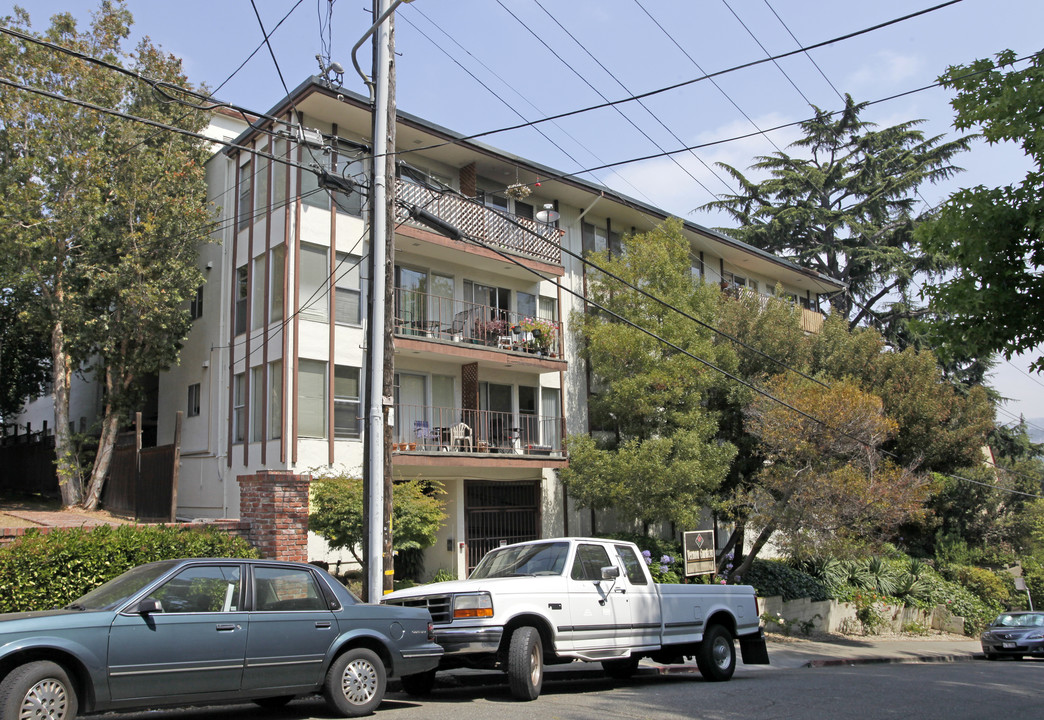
(891, 660)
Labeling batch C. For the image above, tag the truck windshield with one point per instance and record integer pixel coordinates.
(541, 559)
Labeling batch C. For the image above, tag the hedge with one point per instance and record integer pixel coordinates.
(44, 571)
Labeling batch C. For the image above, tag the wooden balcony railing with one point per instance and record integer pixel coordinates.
(514, 233)
(419, 314)
(420, 428)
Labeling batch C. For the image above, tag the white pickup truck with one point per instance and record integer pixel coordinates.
(565, 599)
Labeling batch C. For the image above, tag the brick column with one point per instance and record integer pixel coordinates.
(469, 180)
(275, 504)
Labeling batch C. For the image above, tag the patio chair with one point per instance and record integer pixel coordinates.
(423, 433)
(460, 433)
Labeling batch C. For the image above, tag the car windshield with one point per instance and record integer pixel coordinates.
(542, 559)
(122, 587)
(1020, 620)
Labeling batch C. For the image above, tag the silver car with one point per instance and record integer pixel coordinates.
(1014, 634)
(180, 632)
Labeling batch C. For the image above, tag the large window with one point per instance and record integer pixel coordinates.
(275, 400)
(347, 307)
(242, 295)
(257, 306)
(315, 278)
(311, 396)
(279, 175)
(347, 417)
(257, 397)
(526, 304)
(277, 273)
(264, 168)
(596, 239)
(343, 164)
(246, 194)
(239, 408)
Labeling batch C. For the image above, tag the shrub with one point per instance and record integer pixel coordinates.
(772, 577)
(663, 557)
(985, 584)
(45, 571)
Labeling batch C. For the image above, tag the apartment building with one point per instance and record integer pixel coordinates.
(486, 274)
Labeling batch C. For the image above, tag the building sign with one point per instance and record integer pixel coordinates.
(699, 552)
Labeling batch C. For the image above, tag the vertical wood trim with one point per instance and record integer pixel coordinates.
(248, 411)
(176, 471)
(267, 289)
(332, 304)
(297, 309)
(232, 313)
(285, 410)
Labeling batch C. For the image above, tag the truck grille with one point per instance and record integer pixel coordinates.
(437, 605)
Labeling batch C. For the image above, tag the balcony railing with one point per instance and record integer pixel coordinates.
(419, 428)
(517, 234)
(811, 320)
(420, 314)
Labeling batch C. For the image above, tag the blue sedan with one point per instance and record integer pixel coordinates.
(180, 632)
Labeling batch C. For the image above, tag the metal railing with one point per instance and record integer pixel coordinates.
(419, 314)
(503, 230)
(419, 428)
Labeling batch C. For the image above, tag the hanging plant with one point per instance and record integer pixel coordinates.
(519, 191)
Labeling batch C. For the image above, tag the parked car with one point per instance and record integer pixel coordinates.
(179, 632)
(1014, 634)
(555, 601)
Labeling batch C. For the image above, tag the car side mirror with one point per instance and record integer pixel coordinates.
(150, 605)
(610, 572)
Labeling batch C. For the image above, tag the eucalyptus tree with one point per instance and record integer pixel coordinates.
(102, 214)
(845, 203)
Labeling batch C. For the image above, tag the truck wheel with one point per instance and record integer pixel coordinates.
(716, 655)
(620, 669)
(355, 683)
(40, 689)
(525, 664)
(419, 684)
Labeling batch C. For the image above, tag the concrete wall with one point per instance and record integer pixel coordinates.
(839, 617)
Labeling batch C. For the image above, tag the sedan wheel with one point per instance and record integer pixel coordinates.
(355, 683)
(38, 690)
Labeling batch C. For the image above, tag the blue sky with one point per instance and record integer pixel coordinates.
(541, 57)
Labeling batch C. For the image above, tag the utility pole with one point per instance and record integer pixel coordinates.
(380, 327)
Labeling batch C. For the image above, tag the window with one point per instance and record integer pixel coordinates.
(526, 304)
(589, 561)
(264, 168)
(257, 307)
(239, 408)
(548, 309)
(347, 306)
(347, 418)
(275, 400)
(350, 203)
(311, 395)
(257, 396)
(342, 164)
(277, 273)
(593, 239)
(242, 293)
(550, 418)
(284, 589)
(279, 175)
(210, 589)
(246, 194)
(633, 566)
(193, 400)
(196, 304)
(315, 277)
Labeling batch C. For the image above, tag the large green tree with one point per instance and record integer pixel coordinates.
(102, 215)
(653, 456)
(994, 302)
(845, 204)
(24, 354)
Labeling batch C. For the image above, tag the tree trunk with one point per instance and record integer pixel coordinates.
(106, 445)
(70, 482)
(763, 537)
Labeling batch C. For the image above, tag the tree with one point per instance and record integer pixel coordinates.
(847, 210)
(103, 215)
(337, 513)
(995, 236)
(24, 355)
(652, 455)
(826, 487)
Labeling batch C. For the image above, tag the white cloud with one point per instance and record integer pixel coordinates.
(886, 68)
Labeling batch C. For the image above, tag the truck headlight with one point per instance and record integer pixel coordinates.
(477, 605)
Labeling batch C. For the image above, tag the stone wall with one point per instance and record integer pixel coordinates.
(839, 617)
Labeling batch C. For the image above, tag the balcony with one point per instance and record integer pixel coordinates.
(811, 320)
(476, 434)
(425, 316)
(502, 231)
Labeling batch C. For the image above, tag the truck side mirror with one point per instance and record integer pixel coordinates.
(610, 572)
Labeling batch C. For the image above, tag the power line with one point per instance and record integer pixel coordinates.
(706, 76)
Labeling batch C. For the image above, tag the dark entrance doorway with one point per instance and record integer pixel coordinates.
(499, 513)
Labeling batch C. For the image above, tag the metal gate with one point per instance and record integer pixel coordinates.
(499, 513)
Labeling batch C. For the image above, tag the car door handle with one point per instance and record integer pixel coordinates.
(622, 591)
(225, 627)
(322, 624)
